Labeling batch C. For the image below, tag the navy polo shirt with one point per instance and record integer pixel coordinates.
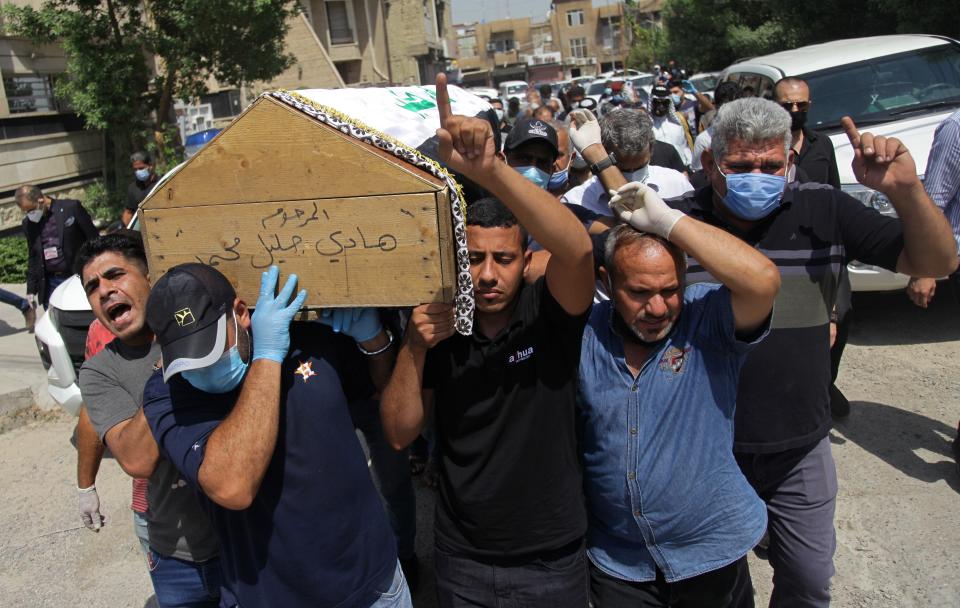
(316, 533)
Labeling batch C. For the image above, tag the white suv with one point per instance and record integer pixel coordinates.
(901, 86)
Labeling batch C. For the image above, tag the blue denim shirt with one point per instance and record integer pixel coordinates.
(663, 489)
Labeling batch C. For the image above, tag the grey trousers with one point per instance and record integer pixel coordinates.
(800, 489)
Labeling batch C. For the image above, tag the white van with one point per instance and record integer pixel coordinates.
(901, 86)
(513, 88)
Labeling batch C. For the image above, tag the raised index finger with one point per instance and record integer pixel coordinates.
(443, 99)
(851, 129)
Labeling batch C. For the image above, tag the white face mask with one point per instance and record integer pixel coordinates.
(640, 175)
(36, 215)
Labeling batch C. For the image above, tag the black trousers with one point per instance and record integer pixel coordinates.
(557, 580)
(727, 587)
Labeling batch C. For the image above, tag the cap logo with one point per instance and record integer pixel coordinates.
(184, 317)
(538, 128)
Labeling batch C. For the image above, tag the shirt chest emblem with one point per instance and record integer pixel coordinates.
(673, 360)
(305, 370)
(520, 356)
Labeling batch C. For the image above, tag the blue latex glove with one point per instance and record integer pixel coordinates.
(688, 87)
(272, 316)
(361, 324)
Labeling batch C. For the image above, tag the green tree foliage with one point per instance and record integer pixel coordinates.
(129, 60)
(711, 34)
(13, 259)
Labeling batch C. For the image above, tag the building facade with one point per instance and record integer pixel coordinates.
(417, 32)
(576, 39)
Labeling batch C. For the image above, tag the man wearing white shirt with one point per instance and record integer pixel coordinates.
(665, 127)
(629, 135)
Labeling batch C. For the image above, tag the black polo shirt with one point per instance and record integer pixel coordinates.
(510, 476)
(665, 155)
(817, 159)
(136, 192)
(783, 400)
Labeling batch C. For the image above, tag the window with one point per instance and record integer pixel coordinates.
(30, 93)
(610, 33)
(578, 47)
(502, 44)
(468, 46)
(575, 17)
(224, 104)
(339, 21)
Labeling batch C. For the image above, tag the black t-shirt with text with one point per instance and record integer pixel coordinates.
(511, 480)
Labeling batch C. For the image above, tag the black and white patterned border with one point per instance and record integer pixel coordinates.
(463, 301)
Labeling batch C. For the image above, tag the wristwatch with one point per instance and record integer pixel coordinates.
(609, 161)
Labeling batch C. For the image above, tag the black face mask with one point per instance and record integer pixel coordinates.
(660, 107)
(797, 120)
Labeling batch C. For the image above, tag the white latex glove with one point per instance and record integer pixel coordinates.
(643, 209)
(90, 508)
(584, 129)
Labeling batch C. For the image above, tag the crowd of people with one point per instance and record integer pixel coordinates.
(660, 309)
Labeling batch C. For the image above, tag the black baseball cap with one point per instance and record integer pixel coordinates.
(660, 91)
(187, 311)
(532, 129)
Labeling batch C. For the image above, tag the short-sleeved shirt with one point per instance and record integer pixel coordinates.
(783, 400)
(593, 195)
(818, 159)
(136, 192)
(663, 488)
(510, 476)
(112, 385)
(316, 533)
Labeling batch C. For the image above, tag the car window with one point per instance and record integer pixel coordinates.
(761, 85)
(885, 88)
(704, 83)
(597, 88)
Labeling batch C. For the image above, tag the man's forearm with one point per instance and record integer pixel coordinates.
(380, 365)
(239, 450)
(751, 277)
(402, 410)
(929, 247)
(133, 446)
(89, 451)
(611, 177)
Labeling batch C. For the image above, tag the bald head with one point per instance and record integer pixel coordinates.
(791, 89)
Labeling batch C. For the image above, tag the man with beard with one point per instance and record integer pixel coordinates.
(182, 552)
(666, 127)
(672, 517)
(510, 517)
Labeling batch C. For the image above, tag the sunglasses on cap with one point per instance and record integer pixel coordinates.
(802, 106)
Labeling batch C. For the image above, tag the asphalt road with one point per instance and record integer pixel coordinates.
(898, 538)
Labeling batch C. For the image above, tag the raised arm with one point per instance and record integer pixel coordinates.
(239, 450)
(753, 280)
(885, 164)
(405, 405)
(467, 146)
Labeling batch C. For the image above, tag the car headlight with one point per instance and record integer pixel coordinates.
(870, 198)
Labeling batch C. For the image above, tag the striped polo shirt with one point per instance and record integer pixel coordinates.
(783, 400)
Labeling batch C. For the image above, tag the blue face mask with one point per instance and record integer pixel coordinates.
(142, 174)
(557, 180)
(536, 175)
(676, 100)
(753, 196)
(221, 377)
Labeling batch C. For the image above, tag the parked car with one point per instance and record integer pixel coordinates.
(706, 82)
(513, 88)
(61, 334)
(901, 86)
(485, 92)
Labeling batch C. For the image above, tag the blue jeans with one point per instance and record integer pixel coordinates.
(184, 584)
(52, 284)
(8, 297)
(143, 535)
(397, 594)
(391, 475)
